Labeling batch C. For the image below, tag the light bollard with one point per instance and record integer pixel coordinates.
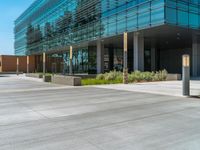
(71, 65)
(186, 75)
(125, 70)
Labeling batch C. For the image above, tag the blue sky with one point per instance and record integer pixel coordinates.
(10, 10)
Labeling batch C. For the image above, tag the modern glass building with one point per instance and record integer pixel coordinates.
(159, 33)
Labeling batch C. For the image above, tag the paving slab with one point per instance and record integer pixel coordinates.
(91, 118)
(172, 88)
(14, 83)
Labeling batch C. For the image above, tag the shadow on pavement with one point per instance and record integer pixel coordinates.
(3, 76)
(195, 96)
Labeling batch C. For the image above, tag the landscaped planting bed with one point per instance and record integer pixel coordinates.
(115, 77)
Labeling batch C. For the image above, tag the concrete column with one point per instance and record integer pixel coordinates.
(27, 64)
(195, 56)
(71, 63)
(153, 55)
(17, 66)
(44, 63)
(100, 57)
(138, 55)
(64, 63)
(125, 69)
(111, 57)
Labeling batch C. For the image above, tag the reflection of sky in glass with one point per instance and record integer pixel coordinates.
(103, 18)
(10, 10)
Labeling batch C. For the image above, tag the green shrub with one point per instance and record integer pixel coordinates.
(148, 76)
(160, 75)
(98, 82)
(131, 77)
(100, 77)
(119, 77)
(138, 76)
(135, 76)
(47, 78)
(114, 77)
(40, 75)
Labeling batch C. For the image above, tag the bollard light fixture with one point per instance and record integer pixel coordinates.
(186, 61)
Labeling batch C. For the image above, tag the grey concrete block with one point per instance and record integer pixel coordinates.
(47, 78)
(171, 77)
(34, 75)
(66, 80)
(86, 76)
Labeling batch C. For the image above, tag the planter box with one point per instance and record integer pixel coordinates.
(172, 77)
(88, 76)
(47, 78)
(66, 80)
(34, 75)
(3, 73)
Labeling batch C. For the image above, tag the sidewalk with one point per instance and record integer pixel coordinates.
(172, 88)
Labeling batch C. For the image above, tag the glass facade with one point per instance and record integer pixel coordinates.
(185, 13)
(130, 15)
(53, 25)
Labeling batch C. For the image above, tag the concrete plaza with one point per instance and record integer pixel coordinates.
(42, 116)
(171, 88)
